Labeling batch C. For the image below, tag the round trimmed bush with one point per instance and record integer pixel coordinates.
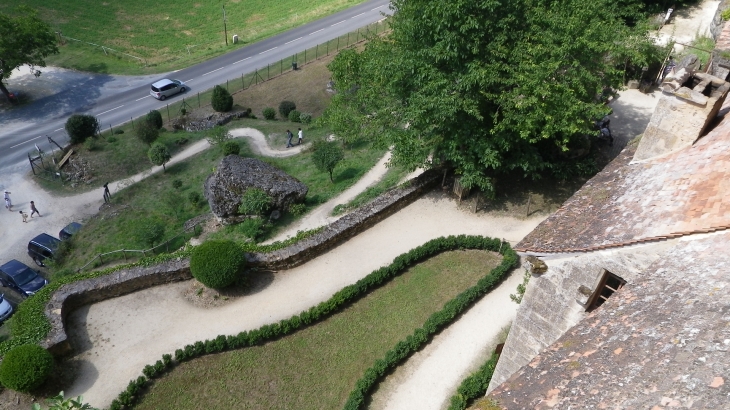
(295, 116)
(285, 107)
(25, 368)
(217, 264)
(222, 101)
(155, 118)
(231, 148)
(269, 113)
(79, 127)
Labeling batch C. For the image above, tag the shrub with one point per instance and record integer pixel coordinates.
(217, 264)
(195, 198)
(80, 127)
(25, 368)
(253, 228)
(327, 154)
(269, 113)
(150, 232)
(217, 135)
(221, 99)
(177, 184)
(285, 107)
(305, 118)
(90, 144)
(298, 209)
(295, 116)
(147, 132)
(231, 148)
(61, 403)
(112, 139)
(119, 131)
(159, 155)
(154, 118)
(255, 201)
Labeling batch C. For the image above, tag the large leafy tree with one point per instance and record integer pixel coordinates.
(24, 39)
(488, 86)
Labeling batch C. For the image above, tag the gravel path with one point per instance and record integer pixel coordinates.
(117, 337)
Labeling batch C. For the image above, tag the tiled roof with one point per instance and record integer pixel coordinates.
(685, 192)
(661, 342)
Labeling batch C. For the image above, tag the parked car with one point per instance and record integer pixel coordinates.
(19, 277)
(42, 247)
(69, 230)
(6, 309)
(166, 87)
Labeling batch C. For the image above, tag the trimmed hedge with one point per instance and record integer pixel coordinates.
(25, 368)
(217, 264)
(347, 296)
(434, 324)
(29, 324)
(474, 386)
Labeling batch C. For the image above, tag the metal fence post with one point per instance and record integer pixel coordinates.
(198, 100)
(338, 43)
(268, 74)
(226, 85)
(243, 85)
(168, 112)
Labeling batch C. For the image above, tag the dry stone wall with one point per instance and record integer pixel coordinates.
(125, 281)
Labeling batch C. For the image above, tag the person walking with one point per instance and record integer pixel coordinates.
(289, 135)
(33, 209)
(8, 204)
(24, 215)
(300, 137)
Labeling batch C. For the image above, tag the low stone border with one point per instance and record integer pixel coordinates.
(73, 295)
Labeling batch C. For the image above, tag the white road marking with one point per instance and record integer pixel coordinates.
(211, 71)
(110, 110)
(241, 60)
(187, 81)
(58, 129)
(292, 41)
(316, 31)
(377, 7)
(142, 98)
(268, 50)
(338, 23)
(32, 139)
(357, 16)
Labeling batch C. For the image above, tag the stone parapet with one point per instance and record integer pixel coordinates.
(73, 295)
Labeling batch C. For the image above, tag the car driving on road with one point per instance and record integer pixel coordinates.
(166, 87)
(19, 277)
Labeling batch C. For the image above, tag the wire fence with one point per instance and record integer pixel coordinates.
(105, 49)
(173, 243)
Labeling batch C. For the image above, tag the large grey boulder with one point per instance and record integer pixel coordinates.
(235, 175)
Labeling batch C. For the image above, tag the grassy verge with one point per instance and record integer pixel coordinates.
(167, 35)
(169, 199)
(391, 179)
(316, 367)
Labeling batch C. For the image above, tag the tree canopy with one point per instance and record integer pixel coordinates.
(24, 39)
(487, 86)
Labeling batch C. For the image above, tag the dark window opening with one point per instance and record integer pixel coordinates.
(608, 285)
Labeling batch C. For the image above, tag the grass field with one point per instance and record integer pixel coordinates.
(317, 367)
(167, 34)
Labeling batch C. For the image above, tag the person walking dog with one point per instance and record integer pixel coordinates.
(33, 209)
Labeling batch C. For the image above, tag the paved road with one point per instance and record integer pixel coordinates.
(98, 94)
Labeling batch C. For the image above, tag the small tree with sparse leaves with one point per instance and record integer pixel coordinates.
(159, 155)
(326, 156)
(147, 132)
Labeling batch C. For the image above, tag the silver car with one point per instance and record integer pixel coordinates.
(166, 87)
(5, 309)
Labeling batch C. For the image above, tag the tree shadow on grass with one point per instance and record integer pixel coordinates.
(347, 173)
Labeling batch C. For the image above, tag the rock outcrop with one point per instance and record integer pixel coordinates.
(235, 175)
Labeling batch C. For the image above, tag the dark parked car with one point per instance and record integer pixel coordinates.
(17, 276)
(6, 309)
(69, 230)
(42, 247)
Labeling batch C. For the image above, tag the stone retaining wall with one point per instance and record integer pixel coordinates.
(73, 295)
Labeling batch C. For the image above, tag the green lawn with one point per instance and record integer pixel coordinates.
(317, 367)
(168, 34)
(156, 199)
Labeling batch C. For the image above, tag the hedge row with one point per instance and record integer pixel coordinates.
(434, 324)
(336, 303)
(29, 324)
(474, 386)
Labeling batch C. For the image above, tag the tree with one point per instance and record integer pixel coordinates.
(484, 86)
(149, 232)
(59, 403)
(80, 127)
(221, 99)
(159, 155)
(147, 132)
(217, 135)
(326, 156)
(24, 39)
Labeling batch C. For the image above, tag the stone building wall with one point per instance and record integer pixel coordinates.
(552, 303)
